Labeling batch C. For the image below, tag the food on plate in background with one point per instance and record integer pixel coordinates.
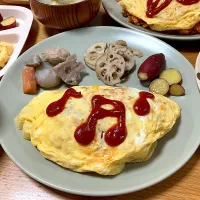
(7, 23)
(51, 66)
(164, 81)
(124, 130)
(111, 62)
(169, 16)
(6, 51)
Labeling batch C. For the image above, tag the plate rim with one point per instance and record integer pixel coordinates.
(197, 69)
(110, 193)
(158, 35)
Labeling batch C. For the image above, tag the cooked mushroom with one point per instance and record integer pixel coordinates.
(33, 61)
(93, 53)
(46, 77)
(69, 71)
(55, 55)
(110, 68)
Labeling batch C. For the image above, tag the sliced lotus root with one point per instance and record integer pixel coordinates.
(125, 52)
(93, 53)
(121, 42)
(136, 52)
(115, 48)
(129, 59)
(110, 68)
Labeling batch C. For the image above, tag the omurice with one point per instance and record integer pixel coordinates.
(97, 128)
(170, 16)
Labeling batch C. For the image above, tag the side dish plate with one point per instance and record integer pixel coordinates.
(15, 36)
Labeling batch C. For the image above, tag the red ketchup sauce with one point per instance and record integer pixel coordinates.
(58, 106)
(85, 133)
(187, 2)
(154, 9)
(141, 106)
(115, 135)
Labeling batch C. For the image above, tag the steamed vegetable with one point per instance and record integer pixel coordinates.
(176, 90)
(159, 86)
(171, 75)
(46, 77)
(151, 67)
(29, 80)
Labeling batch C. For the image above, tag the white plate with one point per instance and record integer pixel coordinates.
(115, 11)
(172, 152)
(16, 36)
(197, 69)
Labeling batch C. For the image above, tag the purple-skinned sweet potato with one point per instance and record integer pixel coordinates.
(1, 18)
(151, 67)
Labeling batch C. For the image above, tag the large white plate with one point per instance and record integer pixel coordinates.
(172, 152)
(197, 69)
(115, 11)
(16, 36)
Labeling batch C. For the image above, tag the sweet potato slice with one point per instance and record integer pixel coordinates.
(176, 90)
(171, 75)
(159, 86)
(29, 80)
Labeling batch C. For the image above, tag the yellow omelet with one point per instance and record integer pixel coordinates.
(54, 136)
(6, 51)
(175, 16)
